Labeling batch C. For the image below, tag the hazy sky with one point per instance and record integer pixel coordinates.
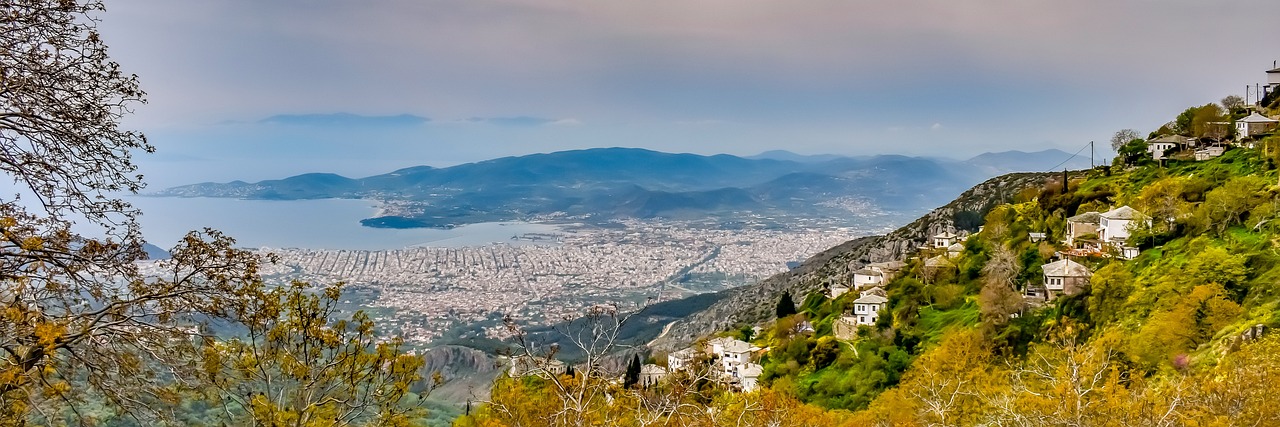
(487, 78)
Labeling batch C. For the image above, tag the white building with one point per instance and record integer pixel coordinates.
(867, 309)
(749, 376)
(954, 250)
(1273, 78)
(540, 366)
(837, 290)
(1114, 225)
(1254, 124)
(651, 375)
(867, 277)
(681, 359)
(1209, 153)
(944, 239)
(1158, 146)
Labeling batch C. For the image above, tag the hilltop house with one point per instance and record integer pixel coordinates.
(732, 353)
(1210, 152)
(867, 277)
(1158, 146)
(749, 376)
(836, 290)
(944, 239)
(681, 359)
(1114, 226)
(867, 309)
(888, 269)
(651, 375)
(1061, 277)
(1254, 124)
(1082, 231)
(954, 250)
(528, 365)
(1273, 79)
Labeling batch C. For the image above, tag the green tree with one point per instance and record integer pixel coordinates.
(300, 365)
(76, 308)
(1230, 203)
(786, 307)
(1122, 137)
(632, 375)
(1110, 288)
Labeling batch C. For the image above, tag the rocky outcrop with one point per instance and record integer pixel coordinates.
(755, 303)
(467, 373)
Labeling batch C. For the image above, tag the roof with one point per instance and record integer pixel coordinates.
(751, 370)
(888, 265)
(938, 261)
(955, 247)
(1091, 217)
(1065, 268)
(1257, 118)
(871, 299)
(1273, 70)
(1174, 139)
(945, 235)
(1123, 212)
(686, 353)
(873, 290)
(866, 272)
(737, 346)
(652, 370)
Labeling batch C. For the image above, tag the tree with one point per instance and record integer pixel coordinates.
(78, 308)
(300, 365)
(632, 376)
(1232, 102)
(1122, 137)
(786, 307)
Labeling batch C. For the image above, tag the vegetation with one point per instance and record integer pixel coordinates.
(1173, 337)
(86, 337)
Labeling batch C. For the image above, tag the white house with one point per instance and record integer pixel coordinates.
(1209, 153)
(1254, 124)
(954, 250)
(944, 239)
(1114, 225)
(1158, 146)
(749, 376)
(874, 291)
(732, 353)
(1063, 276)
(681, 359)
(867, 309)
(837, 290)
(651, 375)
(1273, 78)
(528, 365)
(867, 277)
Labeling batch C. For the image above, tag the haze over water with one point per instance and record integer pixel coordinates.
(312, 224)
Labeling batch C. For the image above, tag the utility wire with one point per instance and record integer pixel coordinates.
(1055, 167)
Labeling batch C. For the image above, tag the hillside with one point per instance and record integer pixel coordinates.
(1166, 322)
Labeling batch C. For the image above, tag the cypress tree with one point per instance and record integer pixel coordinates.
(632, 376)
(786, 307)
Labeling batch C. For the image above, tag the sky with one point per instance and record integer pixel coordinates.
(251, 89)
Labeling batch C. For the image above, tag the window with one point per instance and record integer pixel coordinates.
(862, 319)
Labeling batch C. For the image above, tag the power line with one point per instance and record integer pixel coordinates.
(1055, 167)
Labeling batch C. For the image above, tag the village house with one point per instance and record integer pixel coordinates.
(1210, 152)
(1254, 124)
(944, 239)
(749, 376)
(1114, 227)
(1082, 231)
(1061, 277)
(1273, 78)
(836, 290)
(867, 308)
(1158, 146)
(1036, 237)
(681, 359)
(528, 365)
(887, 269)
(954, 250)
(651, 375)
(867, 277)
(732, 353)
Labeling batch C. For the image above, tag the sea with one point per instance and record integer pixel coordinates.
(311, 224)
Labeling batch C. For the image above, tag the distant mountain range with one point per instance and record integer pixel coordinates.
(613, 183)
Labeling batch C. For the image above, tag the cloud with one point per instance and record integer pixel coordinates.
(345, 120)
(935, 126)
(520, 121)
